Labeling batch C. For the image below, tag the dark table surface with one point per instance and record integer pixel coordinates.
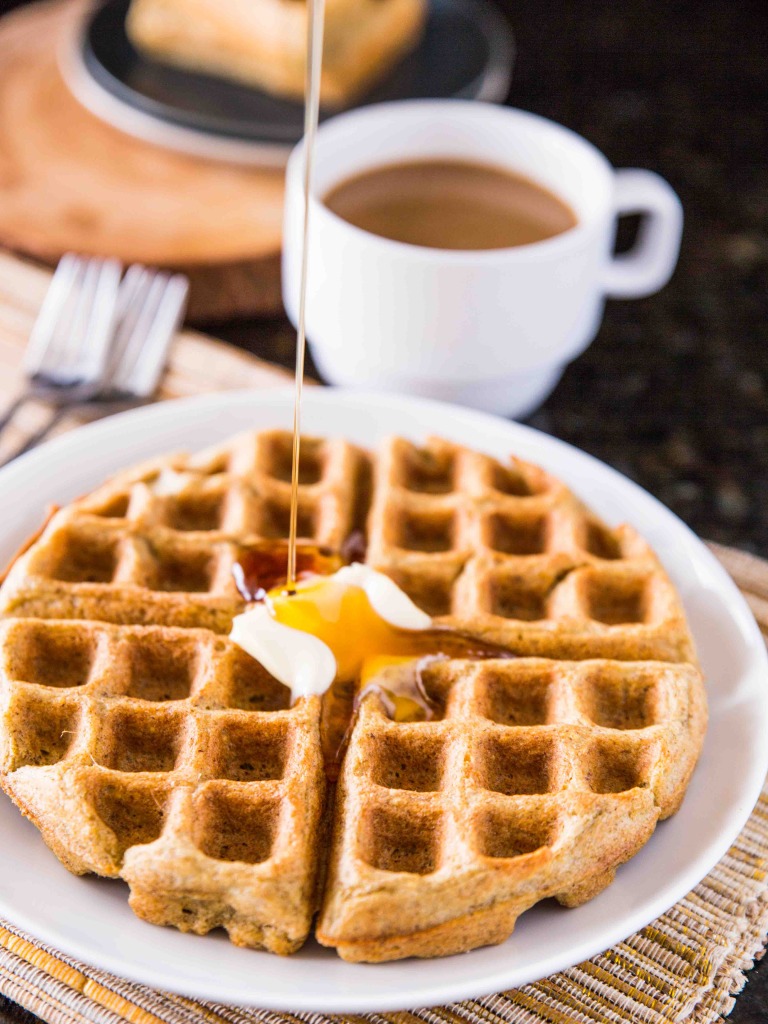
(674, 391)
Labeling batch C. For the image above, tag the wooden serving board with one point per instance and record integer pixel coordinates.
(197, 363)
(68, 181)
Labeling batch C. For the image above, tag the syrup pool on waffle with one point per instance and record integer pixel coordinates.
(342, 632)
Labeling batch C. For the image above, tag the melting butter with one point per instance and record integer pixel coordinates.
(328, 627)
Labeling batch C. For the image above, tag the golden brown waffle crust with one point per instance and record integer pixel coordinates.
(492, 817)
(156, 545)
(170, 759)
(143, 744)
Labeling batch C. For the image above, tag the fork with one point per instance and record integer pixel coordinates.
(148, 309)
(66, 355)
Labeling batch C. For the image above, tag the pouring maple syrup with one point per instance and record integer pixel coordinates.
(315, 25)
(263, 566)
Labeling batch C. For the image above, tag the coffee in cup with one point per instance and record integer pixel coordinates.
(450, 204)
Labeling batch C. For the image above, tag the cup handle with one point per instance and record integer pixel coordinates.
(648, 265)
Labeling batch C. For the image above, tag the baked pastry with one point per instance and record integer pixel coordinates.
(263, 42)
(180, 766)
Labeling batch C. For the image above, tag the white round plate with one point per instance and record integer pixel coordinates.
(89, 918)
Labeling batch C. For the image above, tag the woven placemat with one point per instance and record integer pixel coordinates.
(686, 966)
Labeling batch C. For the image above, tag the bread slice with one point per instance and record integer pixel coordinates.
(263, 42)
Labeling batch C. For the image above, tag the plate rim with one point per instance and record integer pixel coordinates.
(441, 992)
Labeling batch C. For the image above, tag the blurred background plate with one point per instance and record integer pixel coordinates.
(467, 51)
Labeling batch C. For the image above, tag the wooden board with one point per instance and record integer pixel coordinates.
(197, 363)
(71, 182)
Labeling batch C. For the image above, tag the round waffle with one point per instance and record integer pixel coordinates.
(145, 745)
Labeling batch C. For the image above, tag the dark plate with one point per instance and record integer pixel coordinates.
(466, 51)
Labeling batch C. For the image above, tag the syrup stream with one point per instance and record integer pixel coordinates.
(315, 21)
(256, 571)
(261, 567)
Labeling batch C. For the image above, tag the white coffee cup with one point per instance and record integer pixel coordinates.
(492, 329)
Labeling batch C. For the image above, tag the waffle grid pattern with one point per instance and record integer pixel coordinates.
(510, 554)
(181, 763)
(157, 546)
(144, 744)
(524, 759)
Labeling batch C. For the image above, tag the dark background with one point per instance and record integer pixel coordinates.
(674, 391)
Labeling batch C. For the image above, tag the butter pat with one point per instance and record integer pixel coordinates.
(385, 597)
(299, 660)
(328, 628)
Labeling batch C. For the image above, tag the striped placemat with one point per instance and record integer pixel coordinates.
(684, 967)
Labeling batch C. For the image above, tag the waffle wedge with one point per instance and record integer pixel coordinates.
(145, 745)
(537, 779)
(169, 758)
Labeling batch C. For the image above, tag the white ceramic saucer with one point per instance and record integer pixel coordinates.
(89, 918)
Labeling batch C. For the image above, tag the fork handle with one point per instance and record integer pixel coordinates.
(57, 415)
(13, 408)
